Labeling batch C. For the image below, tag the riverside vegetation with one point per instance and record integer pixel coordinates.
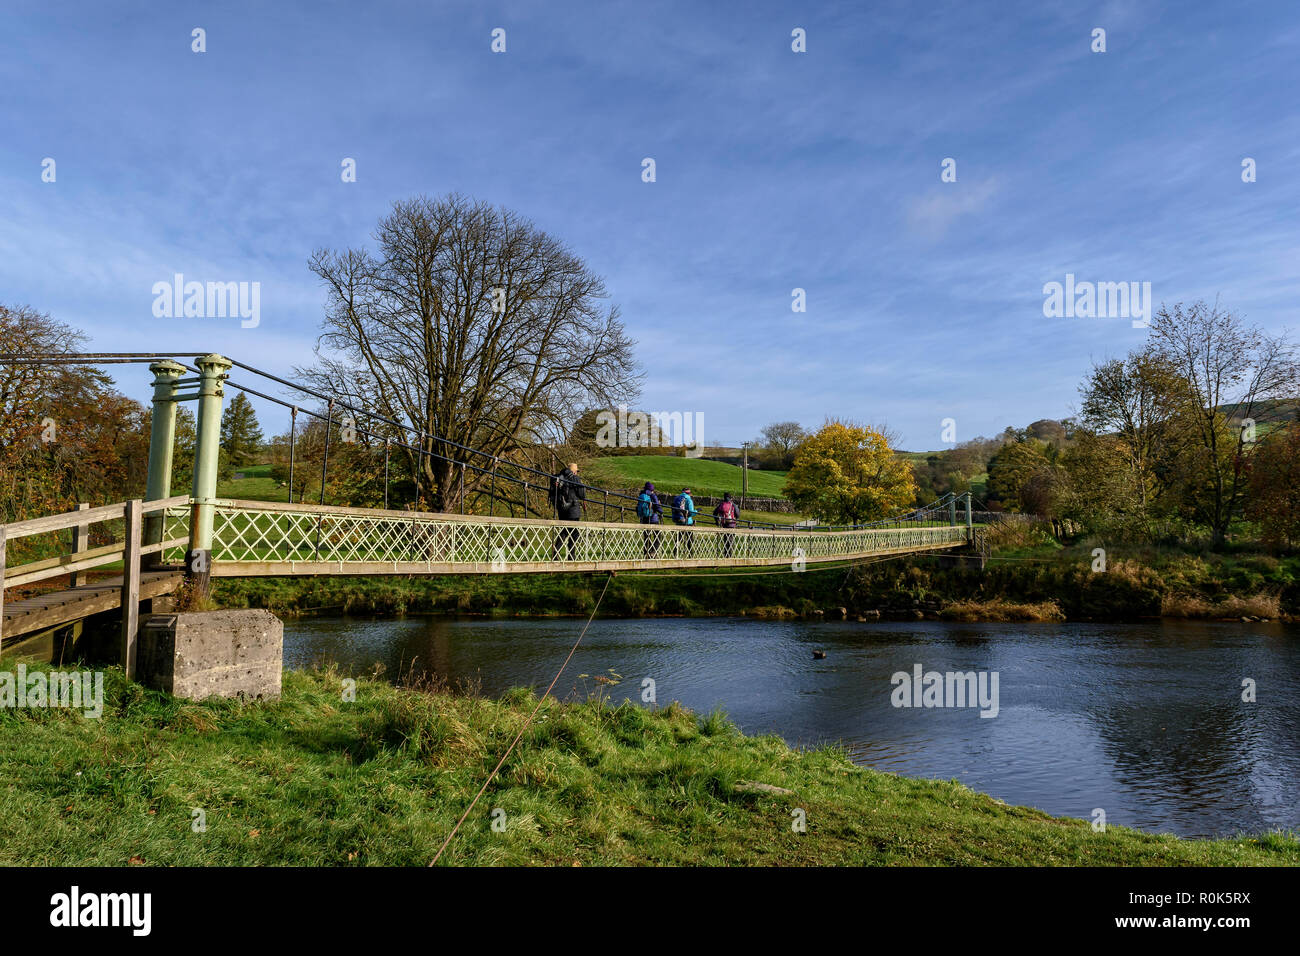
(311, 779)
(1029, 579)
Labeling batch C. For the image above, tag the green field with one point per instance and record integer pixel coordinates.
(255, 485)
(318, 780)
(670, 474)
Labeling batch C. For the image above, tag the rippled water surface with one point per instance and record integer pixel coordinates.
(1145, 721)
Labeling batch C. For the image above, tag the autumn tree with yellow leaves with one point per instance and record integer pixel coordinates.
(848, 474)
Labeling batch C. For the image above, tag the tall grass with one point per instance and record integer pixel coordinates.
(316, 780)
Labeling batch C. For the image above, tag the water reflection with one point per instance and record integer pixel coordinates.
(1145, 721)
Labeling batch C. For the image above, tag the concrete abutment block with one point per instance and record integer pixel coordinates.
(213, 654)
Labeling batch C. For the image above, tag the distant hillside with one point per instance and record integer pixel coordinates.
(670, 474)
(1269, 410)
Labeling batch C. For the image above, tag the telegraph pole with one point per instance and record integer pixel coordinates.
(744, 473)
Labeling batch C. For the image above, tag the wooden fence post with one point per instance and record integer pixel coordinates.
(2, 587)
(131, 584)
(80, 538)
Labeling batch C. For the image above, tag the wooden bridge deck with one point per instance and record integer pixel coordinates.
(40, 613)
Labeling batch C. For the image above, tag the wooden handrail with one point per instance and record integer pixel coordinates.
(70, 519)
(84, 561)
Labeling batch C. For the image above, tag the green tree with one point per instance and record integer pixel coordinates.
(1141, 402)
(241, 436)
(1274, 489)
(185, 444)
(848, 473)
(1013, 471)
(1237, 379)
(66, 436)
(1095, 491)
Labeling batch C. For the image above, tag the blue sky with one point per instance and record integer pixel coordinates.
(775, 170)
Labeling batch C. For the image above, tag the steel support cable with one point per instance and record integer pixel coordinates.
(445, 441)
(93, 358)
(119, 358)
(527, 723)
(128, 357)
(401, 444)
(420, 450)
(86, 358)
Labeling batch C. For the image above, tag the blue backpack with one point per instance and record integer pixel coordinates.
(643, 505)
(681, 512)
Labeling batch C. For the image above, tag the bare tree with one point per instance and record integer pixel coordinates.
(780, 439)
(1237, 376)
(474, 327)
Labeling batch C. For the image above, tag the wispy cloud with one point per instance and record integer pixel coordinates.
(776, 170)
(932, 214)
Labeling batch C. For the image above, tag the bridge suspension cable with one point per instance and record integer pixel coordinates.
(931, 512)
(522, 730)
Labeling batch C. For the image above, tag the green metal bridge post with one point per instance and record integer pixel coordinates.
(952, 510)
(212, 372)
(970, 521)
(162, 440)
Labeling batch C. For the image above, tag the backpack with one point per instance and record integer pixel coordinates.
(679, 509)
(643, 505)
(729, 513)
(563, 493)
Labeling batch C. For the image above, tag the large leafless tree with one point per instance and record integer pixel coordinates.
(473, 326)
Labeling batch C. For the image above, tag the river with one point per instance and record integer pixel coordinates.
(1144, 721)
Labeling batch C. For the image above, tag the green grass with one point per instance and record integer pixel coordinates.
(255, 485)
(758, 517)
(252, 489)
(670, 474)
(313, 780)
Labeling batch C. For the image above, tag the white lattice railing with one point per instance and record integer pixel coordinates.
(256, 538)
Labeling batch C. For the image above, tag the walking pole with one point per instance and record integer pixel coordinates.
(293, 428)
(324, 467)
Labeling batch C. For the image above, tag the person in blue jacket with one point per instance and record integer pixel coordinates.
(684, 514)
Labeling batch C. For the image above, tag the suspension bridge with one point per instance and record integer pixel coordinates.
(161, 541)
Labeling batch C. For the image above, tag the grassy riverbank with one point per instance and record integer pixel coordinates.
(1046, 584)
(629, 594)
(314, 780)
(1054, 583)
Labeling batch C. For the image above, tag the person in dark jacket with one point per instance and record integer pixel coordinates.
(726, 514)
(649, 510)
(569, 496)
